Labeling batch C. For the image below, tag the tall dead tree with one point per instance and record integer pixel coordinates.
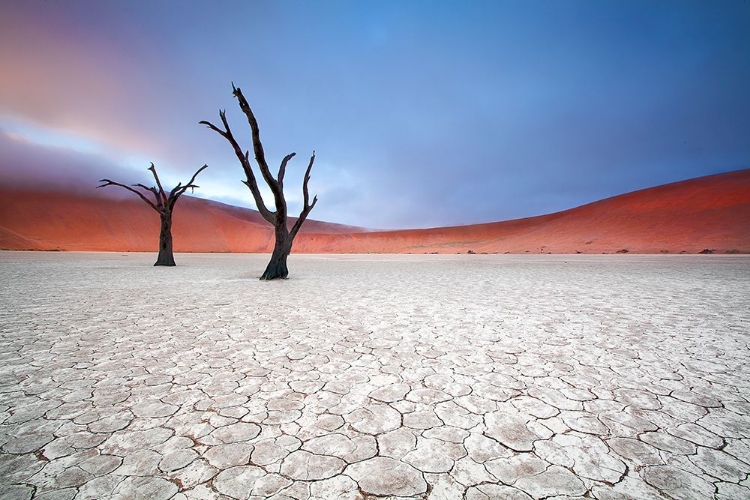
(164, 204)
(277, 267)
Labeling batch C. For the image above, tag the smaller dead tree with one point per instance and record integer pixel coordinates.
(284, 236)
(164, 204)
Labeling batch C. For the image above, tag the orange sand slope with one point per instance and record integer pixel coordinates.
(706, 213)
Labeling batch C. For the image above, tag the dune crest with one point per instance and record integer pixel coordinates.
(710, 212)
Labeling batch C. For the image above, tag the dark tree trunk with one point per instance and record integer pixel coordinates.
(166, 257)
(276, 268)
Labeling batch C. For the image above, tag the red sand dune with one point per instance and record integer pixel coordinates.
(706, 213)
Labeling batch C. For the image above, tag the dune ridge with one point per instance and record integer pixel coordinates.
(711, 212)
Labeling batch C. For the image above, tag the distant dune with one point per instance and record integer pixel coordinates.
(706, 213)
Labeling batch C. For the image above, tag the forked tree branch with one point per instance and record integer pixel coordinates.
(161, 193)
(244, 159)
(108, 182)
(163, 203)
(260, 155)
(179, 189)
(154, 191)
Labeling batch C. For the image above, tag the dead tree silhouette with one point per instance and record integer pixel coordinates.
(164, 204)
(284, 236)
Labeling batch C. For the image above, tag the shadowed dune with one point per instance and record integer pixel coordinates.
(706, 213)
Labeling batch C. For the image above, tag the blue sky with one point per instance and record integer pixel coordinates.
(421, 113)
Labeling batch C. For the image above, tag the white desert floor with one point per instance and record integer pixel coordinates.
(465, 376)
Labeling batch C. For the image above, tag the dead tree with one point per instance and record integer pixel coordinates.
(164, 204)
(277, 267)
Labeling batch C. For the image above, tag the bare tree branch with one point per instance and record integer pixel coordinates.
(161, 193)
(244, 159)
(282, 169)
(260, 155)
(108, 182)
(179, 190)
(214, 127)
(306, 181)
(154, 191)
(307, 207)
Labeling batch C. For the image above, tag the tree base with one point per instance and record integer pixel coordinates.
(276, 269)
(271, 274)
(165, 258)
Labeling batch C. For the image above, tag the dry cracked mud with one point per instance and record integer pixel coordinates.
(476, 377)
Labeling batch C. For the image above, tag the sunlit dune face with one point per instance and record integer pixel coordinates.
(706, 213)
